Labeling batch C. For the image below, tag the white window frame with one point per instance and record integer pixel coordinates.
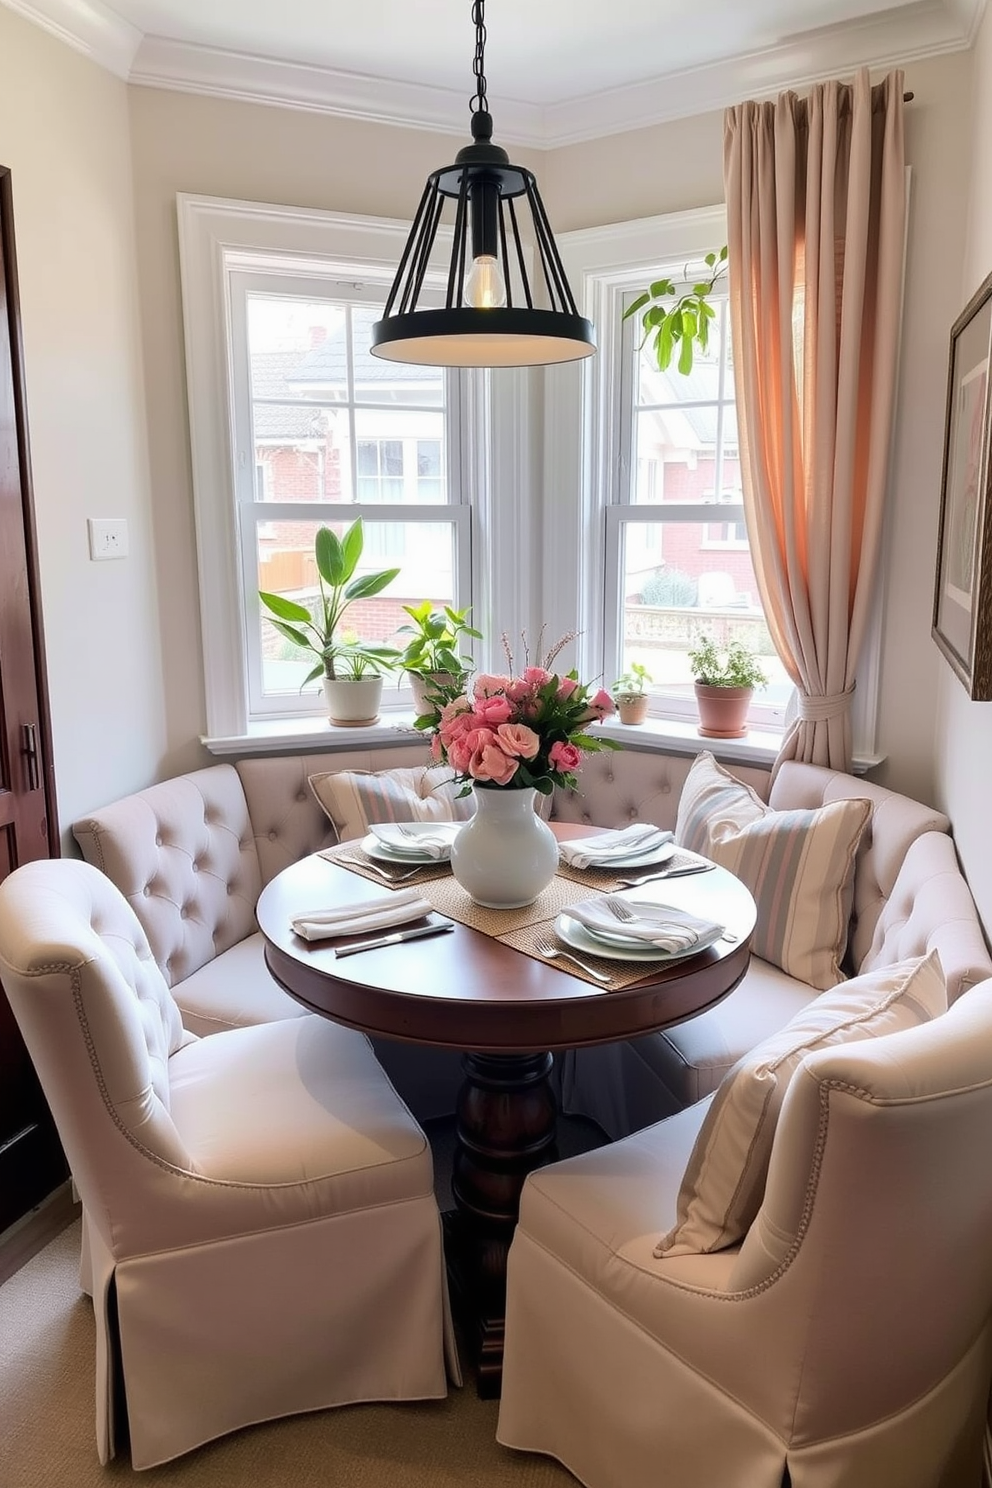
(495, 421)
(586, 448)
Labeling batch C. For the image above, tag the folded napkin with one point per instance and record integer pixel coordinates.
(589, 852)
(435, 843)
(661, 925)
(384, 911)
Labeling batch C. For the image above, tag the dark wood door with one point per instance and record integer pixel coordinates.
(31, 1160)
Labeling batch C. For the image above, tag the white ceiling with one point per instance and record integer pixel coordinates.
(558, 70)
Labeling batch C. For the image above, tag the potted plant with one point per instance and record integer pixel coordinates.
(725, 681)
(432, 659)
(351, 668)
(630, 693)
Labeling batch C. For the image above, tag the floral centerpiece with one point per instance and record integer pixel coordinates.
(519, 732)
(508, 739)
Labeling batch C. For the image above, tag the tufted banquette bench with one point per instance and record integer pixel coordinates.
(192, 854)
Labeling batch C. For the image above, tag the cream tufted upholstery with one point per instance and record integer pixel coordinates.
(617, 788)
(847, 1341)
(262, 1232)
(909, 896)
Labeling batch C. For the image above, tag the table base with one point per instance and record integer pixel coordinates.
(505, 1127)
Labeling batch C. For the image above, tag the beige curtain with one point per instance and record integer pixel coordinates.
(816, 205)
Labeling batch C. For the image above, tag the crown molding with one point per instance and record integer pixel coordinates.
(88, 27)
(893, 37)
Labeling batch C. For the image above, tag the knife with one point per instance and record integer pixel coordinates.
(388, 940)
(667, 873)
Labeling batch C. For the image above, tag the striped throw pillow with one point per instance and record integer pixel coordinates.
(724, 1181)
(798, 865)
(354, 799)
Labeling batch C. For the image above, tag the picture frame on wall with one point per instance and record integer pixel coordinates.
(962, 601)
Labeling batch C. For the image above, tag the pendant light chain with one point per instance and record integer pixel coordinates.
(480, 103)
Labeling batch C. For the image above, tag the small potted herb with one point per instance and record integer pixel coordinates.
(630, 693)
(725, 681)
(432, 658)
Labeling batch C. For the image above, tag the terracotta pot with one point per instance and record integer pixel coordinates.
(633, 709)
(722, 711)
(351, 702)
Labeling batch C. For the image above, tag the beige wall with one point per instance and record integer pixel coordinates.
(963, 728)
(64, 135)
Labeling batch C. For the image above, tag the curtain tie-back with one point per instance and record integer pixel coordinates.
(820, 709)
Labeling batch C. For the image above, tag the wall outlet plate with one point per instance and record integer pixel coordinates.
(108, 537)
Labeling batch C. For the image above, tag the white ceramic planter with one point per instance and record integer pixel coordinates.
(351, 703)
(505, 854)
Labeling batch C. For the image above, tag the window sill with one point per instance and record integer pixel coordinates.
(658, 735)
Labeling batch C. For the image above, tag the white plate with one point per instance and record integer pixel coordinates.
(377, 849)
(645, 859)
(581, 939)
(400, 837)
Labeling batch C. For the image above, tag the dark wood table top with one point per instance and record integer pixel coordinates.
(465, 990)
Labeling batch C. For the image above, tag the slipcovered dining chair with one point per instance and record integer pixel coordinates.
(844, 1342)
(262, 1230)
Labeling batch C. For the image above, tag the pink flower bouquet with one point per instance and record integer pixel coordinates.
(518, 733)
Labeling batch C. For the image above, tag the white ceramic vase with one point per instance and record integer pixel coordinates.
(505, 854)
(352, 702)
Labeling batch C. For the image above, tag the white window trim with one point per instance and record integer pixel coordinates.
(496, 420)
(582, 452)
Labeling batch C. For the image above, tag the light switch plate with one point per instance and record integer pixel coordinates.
(108, 537)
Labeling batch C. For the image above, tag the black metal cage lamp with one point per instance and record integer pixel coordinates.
(489, 318)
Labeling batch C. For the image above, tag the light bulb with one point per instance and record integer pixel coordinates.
(485, 288)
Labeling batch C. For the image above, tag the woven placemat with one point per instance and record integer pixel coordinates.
(620, 973)
(351, 855)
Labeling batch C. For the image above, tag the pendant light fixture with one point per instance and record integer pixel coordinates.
(489, 317)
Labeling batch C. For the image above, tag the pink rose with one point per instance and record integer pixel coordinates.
(536, 676)
(460, 753)
(488, 761)
(564, 757)
(486, 685)
(516, 739)
(492, 711)
(599, 706)
(566, 686)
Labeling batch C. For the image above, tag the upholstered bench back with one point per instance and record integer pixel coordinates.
(286, 818)
(183, 855)
(631, 785)
(896, 822)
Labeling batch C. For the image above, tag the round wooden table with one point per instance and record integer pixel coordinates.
(507, 1012)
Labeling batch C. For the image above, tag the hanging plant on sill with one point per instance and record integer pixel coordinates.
(684, 324)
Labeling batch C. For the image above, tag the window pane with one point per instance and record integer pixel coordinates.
(400, 456)
(299, 452)
(396, 383)
(675, 586)
(296, 348)
(423, 551)
(702, 384)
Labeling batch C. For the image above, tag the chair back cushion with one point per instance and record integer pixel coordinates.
(724, 1180)
(355, 799)
(183, 855)
(94, 1011)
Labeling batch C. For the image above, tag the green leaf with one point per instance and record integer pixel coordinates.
(710, 259)
(661, 287)
(663, 345)
(351, 547)
(706, 310)
(642, 299)
(702, 289)
(685, 356)
(369, 584)
(330, 558)
(296, 636)
(286, 609)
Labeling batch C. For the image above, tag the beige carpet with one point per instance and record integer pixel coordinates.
(47, 1434)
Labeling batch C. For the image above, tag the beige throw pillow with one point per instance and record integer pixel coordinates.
(798, 865)
(354, 799)
(724, 1181)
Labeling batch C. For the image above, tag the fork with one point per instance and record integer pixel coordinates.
(549, 950)
(625, 914)
(394, 877)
